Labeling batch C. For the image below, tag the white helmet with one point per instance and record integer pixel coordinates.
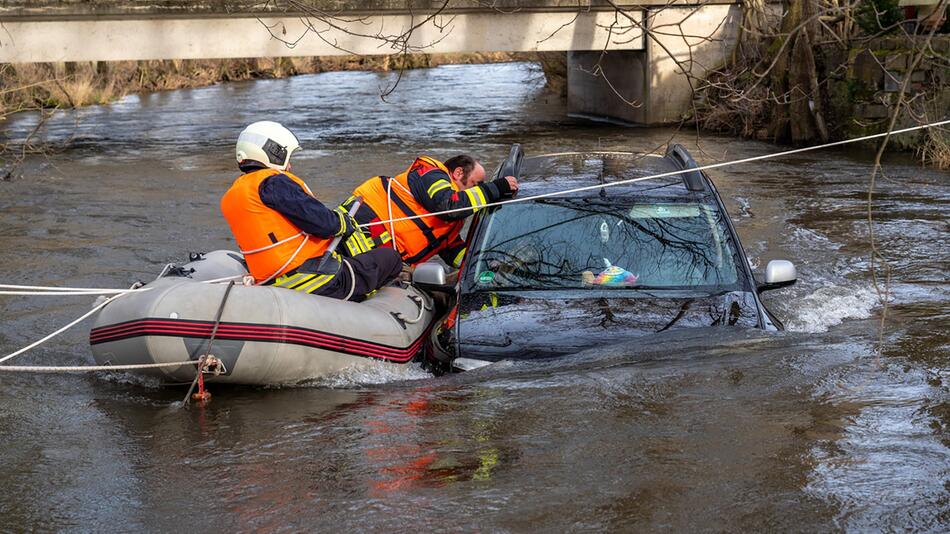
(267, 143)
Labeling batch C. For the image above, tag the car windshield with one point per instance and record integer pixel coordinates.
(585, 243)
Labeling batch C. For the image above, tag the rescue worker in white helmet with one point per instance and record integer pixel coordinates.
(284, 231)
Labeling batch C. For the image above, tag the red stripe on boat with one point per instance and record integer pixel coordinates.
(255, 332)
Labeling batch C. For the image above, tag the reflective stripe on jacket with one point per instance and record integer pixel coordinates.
(271, 244)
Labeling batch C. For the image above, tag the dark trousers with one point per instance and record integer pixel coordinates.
(370, 271)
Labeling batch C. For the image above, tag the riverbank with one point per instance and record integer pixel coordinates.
(795, 82)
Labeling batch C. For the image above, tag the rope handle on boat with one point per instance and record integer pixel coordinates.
(422, 310)
(600, 186)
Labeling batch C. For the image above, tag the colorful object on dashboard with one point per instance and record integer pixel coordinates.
(615, 276)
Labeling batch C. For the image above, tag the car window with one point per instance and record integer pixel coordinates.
(592, 244)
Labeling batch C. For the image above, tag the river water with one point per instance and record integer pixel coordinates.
(807, 430)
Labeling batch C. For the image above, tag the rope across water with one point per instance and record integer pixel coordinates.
(117, 293)
(90, 368)
(665, 174)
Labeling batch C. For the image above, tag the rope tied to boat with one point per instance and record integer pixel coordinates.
(207, 363)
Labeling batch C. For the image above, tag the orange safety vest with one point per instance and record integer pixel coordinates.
(416, 240)
(267, 239)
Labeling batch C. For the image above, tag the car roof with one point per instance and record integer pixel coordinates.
(550, 173)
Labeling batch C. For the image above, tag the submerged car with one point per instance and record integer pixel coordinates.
(613, 259)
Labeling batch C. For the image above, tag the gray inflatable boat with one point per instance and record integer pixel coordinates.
(265, 335)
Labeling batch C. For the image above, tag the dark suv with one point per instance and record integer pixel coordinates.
(563, 273)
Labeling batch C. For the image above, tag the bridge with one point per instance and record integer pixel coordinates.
(625, 60)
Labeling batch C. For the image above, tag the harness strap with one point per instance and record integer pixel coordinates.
(306, 237)
(426, 231)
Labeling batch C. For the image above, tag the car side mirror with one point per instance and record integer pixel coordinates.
(778, 274)
(431, 277)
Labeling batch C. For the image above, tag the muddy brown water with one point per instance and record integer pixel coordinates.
(704, 431)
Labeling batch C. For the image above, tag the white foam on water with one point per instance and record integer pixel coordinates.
(829, 306)
(887, 468)
(745, 207)
(372, 372)
(813, 238)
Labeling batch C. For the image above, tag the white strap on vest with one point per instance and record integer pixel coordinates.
(272, 245)
(306, 237)
(389, 206)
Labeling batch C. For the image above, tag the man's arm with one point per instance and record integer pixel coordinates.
(434, 191)
(283, 195)
(453, 253)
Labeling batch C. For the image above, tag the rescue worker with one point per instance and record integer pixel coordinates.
(427, 186)
(284, 231)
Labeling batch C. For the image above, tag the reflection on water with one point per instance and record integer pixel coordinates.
(707, 430)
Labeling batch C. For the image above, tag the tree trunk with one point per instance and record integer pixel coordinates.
(797, 116)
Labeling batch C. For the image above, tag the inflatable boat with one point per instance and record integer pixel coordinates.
(259, 335)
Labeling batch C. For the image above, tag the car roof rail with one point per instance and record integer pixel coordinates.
(681, 158)
(512, 164)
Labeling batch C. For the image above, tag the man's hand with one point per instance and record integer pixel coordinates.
(507, 186)
(512, 183)
(348, 224)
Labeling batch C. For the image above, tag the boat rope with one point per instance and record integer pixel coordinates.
(89, 368)
(134, 289)
(422, 310)
(306, 238)
(94, 309)
(352, 279)
(52, 288)
(203, 395)
(272, 245)
(42, 291)
(65, 293)
(662, 175)
(389, 222)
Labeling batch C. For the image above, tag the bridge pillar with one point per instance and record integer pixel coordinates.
(649, 87)
(608, 87)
